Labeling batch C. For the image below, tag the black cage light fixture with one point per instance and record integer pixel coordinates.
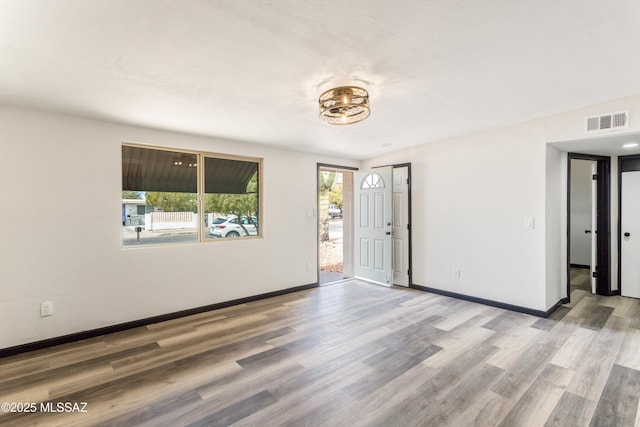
(344, 105)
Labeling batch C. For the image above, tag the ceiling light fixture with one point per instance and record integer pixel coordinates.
(344, 105)
(630, 145)
(186, 161)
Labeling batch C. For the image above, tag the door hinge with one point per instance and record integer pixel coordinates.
(594, 274)
(594, 176)
(408, 272)
(407, 181)
(408, 226)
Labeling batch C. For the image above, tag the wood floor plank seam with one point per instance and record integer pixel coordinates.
(352, 354)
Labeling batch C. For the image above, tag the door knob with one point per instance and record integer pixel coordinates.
(388, 233)
(627, 234)
(587, 231)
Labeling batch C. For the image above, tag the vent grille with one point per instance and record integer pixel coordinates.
(608, 121)
(619, 120)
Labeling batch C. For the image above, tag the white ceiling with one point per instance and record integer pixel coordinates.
(253, 70)
(623, 144)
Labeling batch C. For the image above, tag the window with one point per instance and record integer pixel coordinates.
(171, 196)
(373, 180)
(231, 192)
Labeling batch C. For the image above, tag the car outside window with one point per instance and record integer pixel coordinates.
(170, 195)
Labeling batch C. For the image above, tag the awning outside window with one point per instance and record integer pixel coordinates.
(145, 169)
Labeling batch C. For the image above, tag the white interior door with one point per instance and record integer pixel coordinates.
(630, 227)
(594, 226)
(400, 234)
(373, 219)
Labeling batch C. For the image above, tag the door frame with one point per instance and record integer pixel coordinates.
(603, 256)
(635, 158)
(321, 166)
(337, 168)
(410, 184)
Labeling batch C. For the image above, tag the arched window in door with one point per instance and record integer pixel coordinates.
(373, 180)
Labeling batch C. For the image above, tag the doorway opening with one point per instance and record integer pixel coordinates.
(382, 211)
(335, 223)
(582, 230)
(588, 225)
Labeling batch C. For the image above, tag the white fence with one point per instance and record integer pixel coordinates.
(170, 220)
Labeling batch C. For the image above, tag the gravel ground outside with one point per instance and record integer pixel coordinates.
(331, 257)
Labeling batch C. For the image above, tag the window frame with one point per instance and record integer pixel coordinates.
(202, 230)
(373, 183)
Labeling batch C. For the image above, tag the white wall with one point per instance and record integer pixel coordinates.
(49, 252)
(556, 226)
(581, 183)
(569, 126)
(471, 195)
(470, 198)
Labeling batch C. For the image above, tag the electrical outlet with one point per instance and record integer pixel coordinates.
(46, 309)
(308, 266)
(456, 273)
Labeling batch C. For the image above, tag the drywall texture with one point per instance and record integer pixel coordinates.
(471, 198)
(52, 250)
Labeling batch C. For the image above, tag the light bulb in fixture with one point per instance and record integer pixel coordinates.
(344, 105)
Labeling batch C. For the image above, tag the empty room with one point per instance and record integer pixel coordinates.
(363, 213)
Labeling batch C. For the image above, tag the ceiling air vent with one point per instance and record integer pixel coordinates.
(608, 121)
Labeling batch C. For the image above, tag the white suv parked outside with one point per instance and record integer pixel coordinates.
(335, 211)
(228, 226)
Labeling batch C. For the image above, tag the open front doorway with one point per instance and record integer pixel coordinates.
(340, 206)
(382, 229)
(335, 223)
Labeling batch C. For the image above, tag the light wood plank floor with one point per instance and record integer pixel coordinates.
(349, 354)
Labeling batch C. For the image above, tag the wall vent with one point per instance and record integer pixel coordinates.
(607, 121)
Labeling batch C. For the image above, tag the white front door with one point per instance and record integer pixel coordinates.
(630, 227)
(373, 219)
(400, 233)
